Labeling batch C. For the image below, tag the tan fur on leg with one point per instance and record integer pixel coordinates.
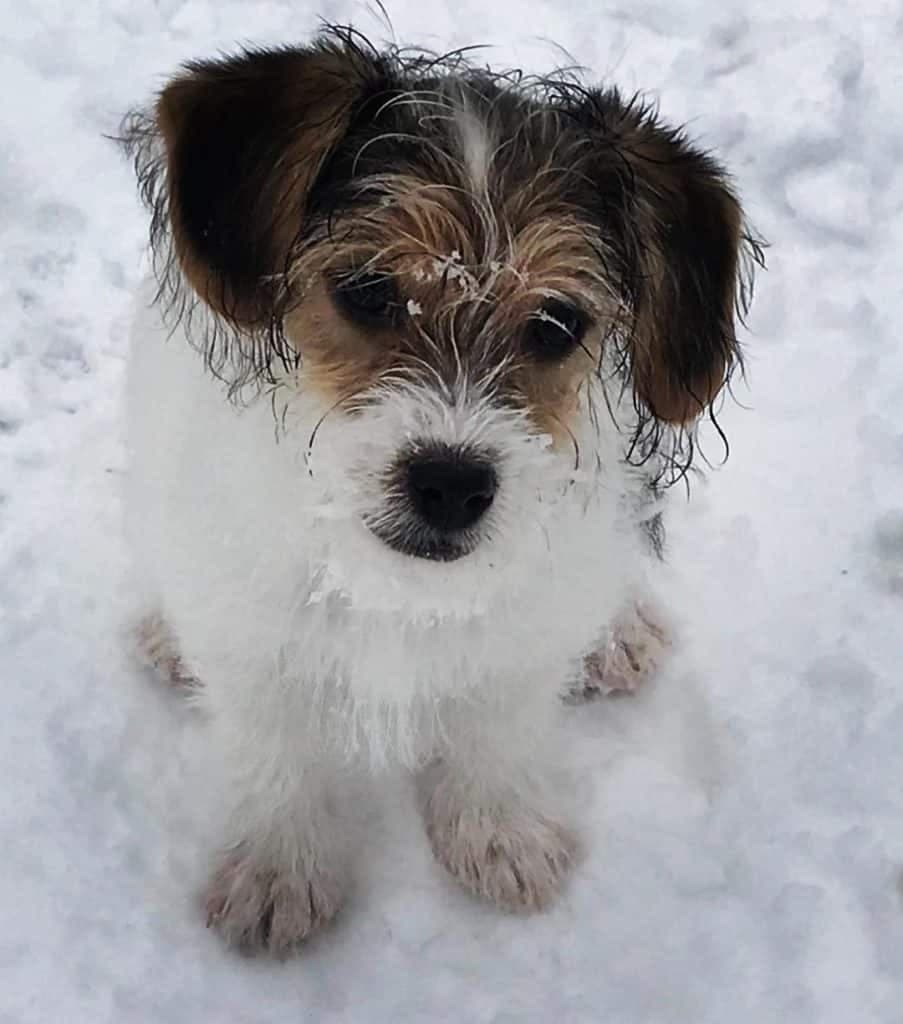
(157, 647)
(633, 649)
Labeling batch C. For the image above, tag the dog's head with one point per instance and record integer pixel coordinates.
(454, 276)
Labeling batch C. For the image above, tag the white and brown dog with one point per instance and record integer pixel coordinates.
(423, 343)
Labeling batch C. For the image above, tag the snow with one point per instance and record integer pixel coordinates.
(744, 814)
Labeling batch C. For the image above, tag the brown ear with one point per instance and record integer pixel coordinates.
(244, 139)
(681, 233)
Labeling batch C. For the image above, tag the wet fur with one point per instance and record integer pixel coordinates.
(267, 427)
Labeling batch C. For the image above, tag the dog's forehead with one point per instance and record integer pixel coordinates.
(460, 144)
(471, 117)
(465, 188)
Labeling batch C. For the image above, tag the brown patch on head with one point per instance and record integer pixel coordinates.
(478, 274)
(459, 308)
(493, 205)
(551, 396)
(339, 358)
(559, 275)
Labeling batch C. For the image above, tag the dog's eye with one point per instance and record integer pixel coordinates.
(368, 297)
(556, 330)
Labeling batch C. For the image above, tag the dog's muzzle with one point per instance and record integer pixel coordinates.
(437, 499)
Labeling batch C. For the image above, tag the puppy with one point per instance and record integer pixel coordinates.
(422, 345)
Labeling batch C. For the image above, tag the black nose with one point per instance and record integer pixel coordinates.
(451, 492)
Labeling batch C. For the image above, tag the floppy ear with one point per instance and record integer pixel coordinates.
(243, 140)
(680, 231)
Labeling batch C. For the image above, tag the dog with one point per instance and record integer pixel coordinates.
(422, 348)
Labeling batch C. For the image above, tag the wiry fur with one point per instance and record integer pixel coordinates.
(589, 149)
(266, 527)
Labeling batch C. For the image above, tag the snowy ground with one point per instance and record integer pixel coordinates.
(744, 815)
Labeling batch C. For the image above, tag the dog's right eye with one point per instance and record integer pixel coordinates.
(368, 298)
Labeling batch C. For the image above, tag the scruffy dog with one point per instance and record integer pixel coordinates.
(423, 345)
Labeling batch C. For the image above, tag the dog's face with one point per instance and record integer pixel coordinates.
(449, 274)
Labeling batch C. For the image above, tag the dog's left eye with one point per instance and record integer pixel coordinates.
(555, 330)
(368, 298)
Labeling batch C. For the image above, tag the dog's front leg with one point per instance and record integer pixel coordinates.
(281, 871)
(488, 804)
(628, 652)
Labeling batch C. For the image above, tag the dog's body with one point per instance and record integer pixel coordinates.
(418, 513)
(251, 553)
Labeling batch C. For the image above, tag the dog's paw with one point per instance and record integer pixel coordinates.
(156, 646)
(515, 859)
(257, 908)
(632, 650)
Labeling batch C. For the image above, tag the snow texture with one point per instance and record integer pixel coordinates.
(744, 813)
